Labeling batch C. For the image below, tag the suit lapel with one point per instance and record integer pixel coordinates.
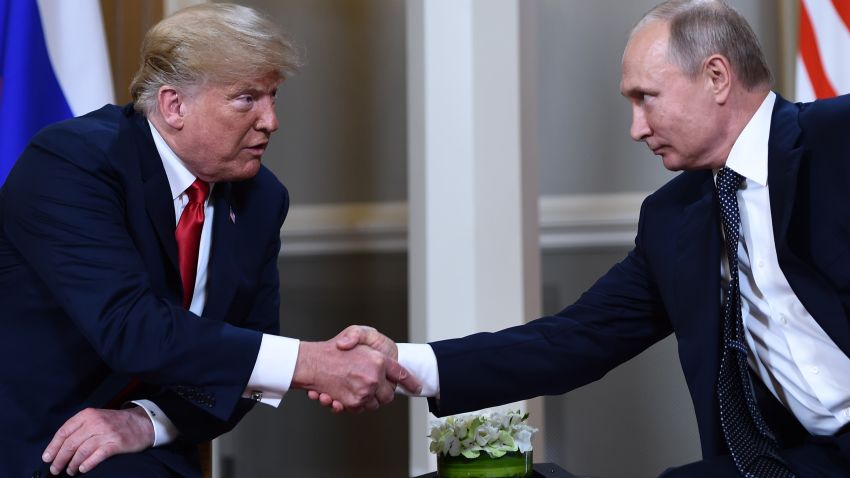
(785, 156)
(697, 273)
(158, 201)
(222, 270)
(783, 165)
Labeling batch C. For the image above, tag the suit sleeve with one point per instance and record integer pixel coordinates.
(617, 318)
(65, 213)
(194, 424)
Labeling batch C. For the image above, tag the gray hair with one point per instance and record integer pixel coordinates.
(212, 42)
(701, 28)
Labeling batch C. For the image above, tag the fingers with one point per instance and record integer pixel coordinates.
(398, 374)
(385, 393)
(64, 443)
(326, 401)
(355, 335)
(372, 404)
(91, 453)
(93, 435)
(101, 453)
(358, 379)
(323, 398)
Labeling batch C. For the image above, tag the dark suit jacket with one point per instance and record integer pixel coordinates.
(90, 291)
(670, 281)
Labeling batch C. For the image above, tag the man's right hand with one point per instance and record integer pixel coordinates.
(357, 368)
(358, 336)
(93, 435)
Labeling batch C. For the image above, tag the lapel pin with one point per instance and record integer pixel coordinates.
(232, 216)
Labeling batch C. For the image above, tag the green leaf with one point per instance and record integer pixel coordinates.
(497, 453)
(471, 453)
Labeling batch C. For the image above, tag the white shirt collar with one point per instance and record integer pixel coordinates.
(749, 153)
(179, 177)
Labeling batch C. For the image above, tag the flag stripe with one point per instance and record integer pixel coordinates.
(833, 41)
(803, 88)
(811, 56)
(76, 45)
(31, 97)
(53, 66)
(842, 7)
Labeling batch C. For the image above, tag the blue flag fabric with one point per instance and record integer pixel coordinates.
(30, 95)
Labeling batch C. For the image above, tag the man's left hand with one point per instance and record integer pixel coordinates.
(93, 435)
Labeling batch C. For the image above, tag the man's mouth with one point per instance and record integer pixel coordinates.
(258, 149)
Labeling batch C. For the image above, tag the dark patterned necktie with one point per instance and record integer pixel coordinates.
(188, 235)
(751, 443)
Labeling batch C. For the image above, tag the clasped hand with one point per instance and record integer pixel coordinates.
(356, 370)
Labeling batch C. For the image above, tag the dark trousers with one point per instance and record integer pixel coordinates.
(808, 456)
(811, 460)
(133, 465)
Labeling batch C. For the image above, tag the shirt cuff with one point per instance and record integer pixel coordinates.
(164, 431)
(419, 359)
(273, 371)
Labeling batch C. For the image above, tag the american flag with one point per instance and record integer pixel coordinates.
(823, 58)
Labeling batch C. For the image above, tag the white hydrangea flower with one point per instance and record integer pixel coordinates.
(495, 433)
(486, 434)
(523, 439)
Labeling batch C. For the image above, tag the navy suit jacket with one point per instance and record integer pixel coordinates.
(90, 291)
(670, 282)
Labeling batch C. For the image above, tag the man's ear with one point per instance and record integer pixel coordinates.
(718, 77)
(171, 105)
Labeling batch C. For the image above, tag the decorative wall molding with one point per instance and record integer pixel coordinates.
(345, 228)
(588, 221)
(566, 222)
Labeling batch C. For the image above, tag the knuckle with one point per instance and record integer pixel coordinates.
(108, 449)
(85, 450)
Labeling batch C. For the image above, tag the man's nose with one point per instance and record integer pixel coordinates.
(640, 129)
(268, 119)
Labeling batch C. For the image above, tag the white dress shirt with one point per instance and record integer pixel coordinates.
(788, 350)
(275, 365)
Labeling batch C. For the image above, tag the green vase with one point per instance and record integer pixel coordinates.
(511, 465)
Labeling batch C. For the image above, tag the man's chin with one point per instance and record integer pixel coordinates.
(672, 162)
(248, 170)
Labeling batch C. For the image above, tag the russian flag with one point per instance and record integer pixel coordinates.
(53, 65)
(823, 61)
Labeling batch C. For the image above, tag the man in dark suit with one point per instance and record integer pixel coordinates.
(138, 266)
(763, 331)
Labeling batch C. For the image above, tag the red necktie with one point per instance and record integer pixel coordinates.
(188, 235)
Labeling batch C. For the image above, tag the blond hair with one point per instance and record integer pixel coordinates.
(213, 42)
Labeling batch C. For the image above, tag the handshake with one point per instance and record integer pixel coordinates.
(356, 370)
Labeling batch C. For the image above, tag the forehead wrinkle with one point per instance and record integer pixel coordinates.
(645, 59)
